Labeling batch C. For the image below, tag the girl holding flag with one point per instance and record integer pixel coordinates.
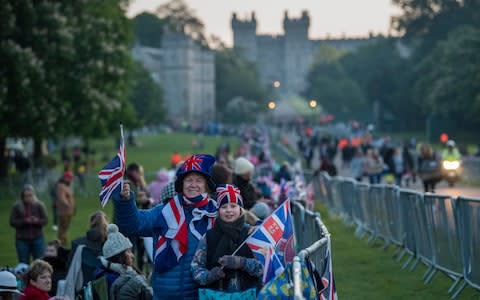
(219, 263)
(176, 227)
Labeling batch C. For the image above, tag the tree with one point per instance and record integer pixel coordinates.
(334, 90)
(236, 78)
(384, 76)
(148, 29)
(35, 43)
(180, 18)
(431, 20)
(447, 84)
(64, 69)
(98, 83)
(147, 97)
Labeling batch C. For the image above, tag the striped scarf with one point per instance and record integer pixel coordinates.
(172, 243)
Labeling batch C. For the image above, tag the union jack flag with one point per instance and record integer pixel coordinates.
(111, 176)
(329, 291)
(193, 163)
(269, 241)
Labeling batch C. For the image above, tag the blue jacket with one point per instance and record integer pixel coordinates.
(177, 283)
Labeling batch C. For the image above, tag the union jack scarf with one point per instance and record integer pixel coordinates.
(172, 242)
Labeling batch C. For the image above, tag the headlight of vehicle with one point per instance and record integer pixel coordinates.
(451, 165)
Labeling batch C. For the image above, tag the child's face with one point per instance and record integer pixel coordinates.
(51, 251)
(229, 212)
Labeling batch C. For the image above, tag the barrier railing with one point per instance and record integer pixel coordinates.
(445, 241)
(440, 231)
(468, 222)
(312, 238)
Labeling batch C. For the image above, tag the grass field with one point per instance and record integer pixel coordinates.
(361, 271)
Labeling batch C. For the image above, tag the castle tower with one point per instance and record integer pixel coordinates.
(176, 73)
(298, 52)
(245, 36)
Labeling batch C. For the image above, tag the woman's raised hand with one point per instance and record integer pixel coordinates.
(125, 193)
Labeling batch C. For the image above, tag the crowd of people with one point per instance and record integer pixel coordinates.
(379, 160)
(182, 234)
(196, 220)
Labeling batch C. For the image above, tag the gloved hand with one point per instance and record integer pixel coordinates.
(232, 261)
(215, 274)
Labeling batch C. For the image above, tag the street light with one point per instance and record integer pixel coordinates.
(312, 103)
(271, 105)
(276, 84)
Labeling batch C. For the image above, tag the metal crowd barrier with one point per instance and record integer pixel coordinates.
(468, 222)
(439, 231)
(312, 238)
(445, 242)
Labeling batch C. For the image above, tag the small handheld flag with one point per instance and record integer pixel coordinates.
(111, 176)
(272, 240)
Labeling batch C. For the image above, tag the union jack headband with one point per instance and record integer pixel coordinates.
(228, 193)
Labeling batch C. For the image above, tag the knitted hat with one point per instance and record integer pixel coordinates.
(116, 243)
(242, 166)
(8, 283)
(261, 210)
(228, 193)
(200, 163)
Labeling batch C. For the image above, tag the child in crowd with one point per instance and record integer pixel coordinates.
(56, 256)
(219, 263)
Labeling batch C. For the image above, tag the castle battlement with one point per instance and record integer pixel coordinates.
(303, 21)
(248, 23)
(288, 57)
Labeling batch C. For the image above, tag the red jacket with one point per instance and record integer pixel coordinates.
(33, 293)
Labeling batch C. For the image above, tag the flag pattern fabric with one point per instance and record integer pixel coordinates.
(264, 241)
(281, 288)
(172, 244)
(329, 291)
(228, 193)
(111, 176)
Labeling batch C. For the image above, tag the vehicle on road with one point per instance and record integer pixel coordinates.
(451, 170)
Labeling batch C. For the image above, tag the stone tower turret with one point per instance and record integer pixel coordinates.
(245, 36)
(298, 51)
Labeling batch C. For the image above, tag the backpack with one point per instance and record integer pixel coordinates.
(132, 283)
(94, 290)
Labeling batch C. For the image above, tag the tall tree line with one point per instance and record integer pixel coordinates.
(430, 71)
(64, 70)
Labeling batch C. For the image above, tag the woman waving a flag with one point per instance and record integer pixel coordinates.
(176, 227)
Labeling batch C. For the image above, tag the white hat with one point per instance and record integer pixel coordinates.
(242, 166)
(116, 242)
(8, 283)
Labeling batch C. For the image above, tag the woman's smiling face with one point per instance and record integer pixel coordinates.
(194, 184)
